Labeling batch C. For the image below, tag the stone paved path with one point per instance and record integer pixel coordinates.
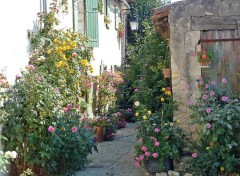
(115, 158)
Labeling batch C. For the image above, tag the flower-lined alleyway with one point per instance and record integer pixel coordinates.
(115, 157)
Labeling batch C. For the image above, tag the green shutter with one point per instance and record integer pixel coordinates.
(75, 15)
(92, 22)
(107, 7)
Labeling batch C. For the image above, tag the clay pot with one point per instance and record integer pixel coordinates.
(205, 64)
(166, 72)
(99, 131)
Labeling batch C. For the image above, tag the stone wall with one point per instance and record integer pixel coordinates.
(184, 42)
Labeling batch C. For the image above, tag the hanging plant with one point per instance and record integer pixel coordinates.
(120, 30)
(100, 6)
(107, 20)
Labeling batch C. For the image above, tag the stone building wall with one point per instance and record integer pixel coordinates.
(184, 39)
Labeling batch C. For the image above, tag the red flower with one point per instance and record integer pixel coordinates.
(204, 56)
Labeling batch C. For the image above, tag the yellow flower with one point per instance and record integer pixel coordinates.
(149, 112)
(144, 117)
(162, 99)
(222, 168)
(74, 43)
(75, 34)
(84, 62)
(166, 92)
(55, 40)
(169, 93)
(178, 121)
(64, 43)
(68, 47)
(71, 71)
(64, 56)
(49, 51)
(59, 64)
(207, 148)
(136, 114)
(163, 89)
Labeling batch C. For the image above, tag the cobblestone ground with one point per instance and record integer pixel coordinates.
(115, 158)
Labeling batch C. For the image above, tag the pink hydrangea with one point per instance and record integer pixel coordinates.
(155, 155)
(157, 130)
(143, 148)
(157, 144)
(74, 129)
(51, 129)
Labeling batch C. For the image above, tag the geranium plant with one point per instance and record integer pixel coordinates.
(204, 56)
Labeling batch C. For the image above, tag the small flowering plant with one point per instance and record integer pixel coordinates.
(204, 56)
(217, 113)
(101, 121)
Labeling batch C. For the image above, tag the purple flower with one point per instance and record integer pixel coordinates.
(208, 125)
(204, 96)
(56, 91)
(224, 98)
(208, 110)
(18, 76)
(206, 86)
(201, 82)
(200, 78)
(213, 82)
(212, 93)
(224, 80)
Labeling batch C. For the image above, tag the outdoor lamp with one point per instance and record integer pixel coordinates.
(133, 23)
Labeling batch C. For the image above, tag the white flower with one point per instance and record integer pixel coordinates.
(154, 124)
(137, 103)
(13, 154)
(8, 154)
(41, 58)
(171, 124)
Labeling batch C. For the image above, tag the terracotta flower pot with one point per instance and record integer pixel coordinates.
(166, 72)
(205, 64)
(99, 131)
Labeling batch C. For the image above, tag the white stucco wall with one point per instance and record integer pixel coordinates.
(16, 18)
(109, 50)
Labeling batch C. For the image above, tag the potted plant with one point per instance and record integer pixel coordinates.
(167, 70)
(204, 57)
(120, 30)
(107, 21)
(99, 124)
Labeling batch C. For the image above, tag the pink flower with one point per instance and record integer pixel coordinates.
(136, 90)
(204, 96)
(190, 102)
(147, 153)
(208, 125)
(51, 129)
(208, 110)
(31, 67)
(200, 78)
(143, 148)
(74, 54)
(201, 82)
(65, 110)
(213, 82)
(194, 155)
(137, 164)
(155, 155)
(69, 106)
(204, 56)
(157, 130)
(140, 139)
(224, 98)
(3, 81)
(138, 159)
(157, 144)
(212, 93)
(76, 106)
(74, 129)
(224, 80)
(87, 127)
(206, 86)
(141, 157)
(40, 78)
(56, 91)
(18, 76)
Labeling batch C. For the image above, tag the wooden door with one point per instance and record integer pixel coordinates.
(225, 46)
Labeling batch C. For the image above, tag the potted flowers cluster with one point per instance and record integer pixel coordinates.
(204, 57)
(216, 149)
(107, 21)
(120, 30)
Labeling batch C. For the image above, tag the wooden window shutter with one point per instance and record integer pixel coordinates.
(92, 22)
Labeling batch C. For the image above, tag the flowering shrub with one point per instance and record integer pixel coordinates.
(100, 121)
(5, 158)
(161, 140)
(43, 109)
(217, 114)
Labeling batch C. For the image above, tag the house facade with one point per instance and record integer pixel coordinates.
(192, 25)
(84, 16)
